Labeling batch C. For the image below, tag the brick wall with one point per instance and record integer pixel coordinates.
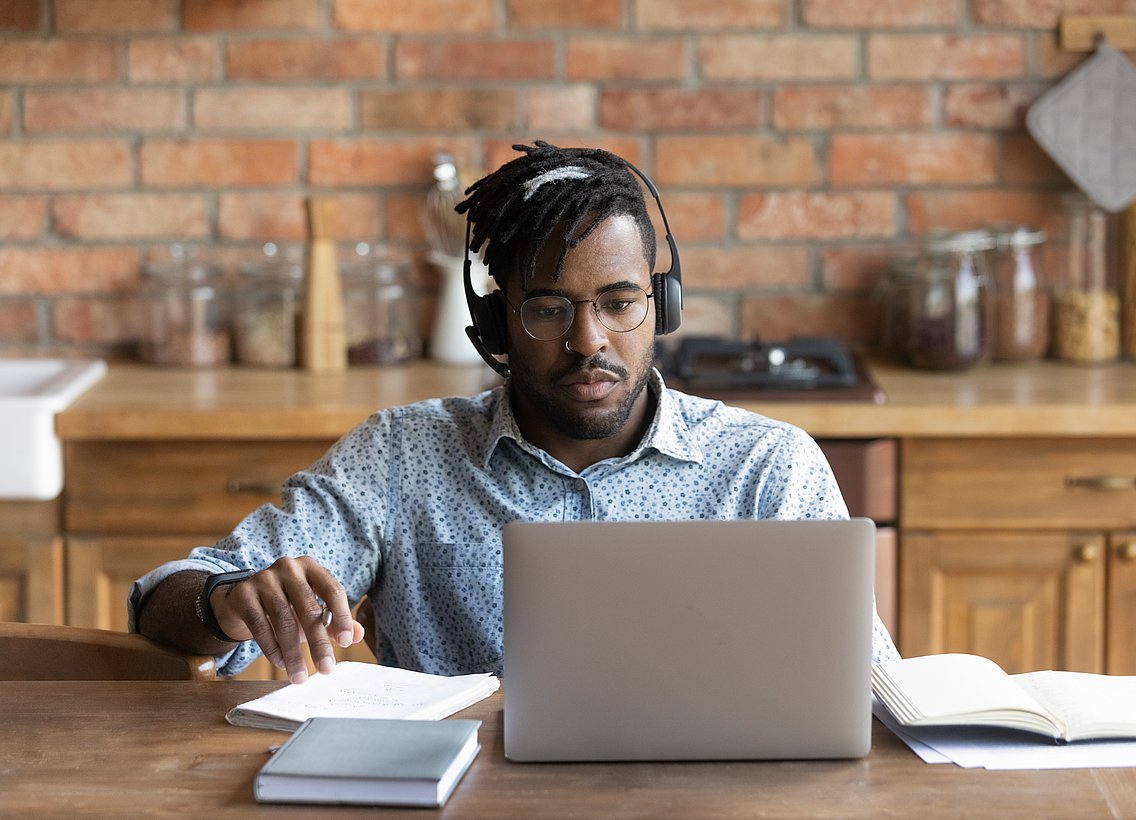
(797, 143)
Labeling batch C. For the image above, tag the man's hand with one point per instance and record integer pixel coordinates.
(281, 607)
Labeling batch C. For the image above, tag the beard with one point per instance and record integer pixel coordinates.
(572, 422)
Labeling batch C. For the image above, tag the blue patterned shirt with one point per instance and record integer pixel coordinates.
(409, 506)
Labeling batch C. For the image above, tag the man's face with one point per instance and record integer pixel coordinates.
(594, 390)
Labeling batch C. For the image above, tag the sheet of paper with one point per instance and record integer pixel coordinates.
(925, 752)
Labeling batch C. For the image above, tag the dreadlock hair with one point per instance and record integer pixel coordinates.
(584, 187)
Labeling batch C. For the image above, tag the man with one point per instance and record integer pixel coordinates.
(409, 506)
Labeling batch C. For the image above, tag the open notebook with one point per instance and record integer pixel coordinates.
(688, 640)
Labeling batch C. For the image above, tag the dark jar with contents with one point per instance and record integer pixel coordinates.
(381, 309)
(187, 305)
(1021, 297)
(895, 306)
(949, 314)
(267, 308)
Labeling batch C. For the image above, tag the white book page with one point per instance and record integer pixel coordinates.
(958, 688)
(1101, 705)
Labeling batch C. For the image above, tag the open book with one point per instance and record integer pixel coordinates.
(968, 690)
(364, 690)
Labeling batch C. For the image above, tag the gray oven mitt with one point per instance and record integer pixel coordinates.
(1087, 125)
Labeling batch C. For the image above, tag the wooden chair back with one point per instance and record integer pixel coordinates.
(51, 652)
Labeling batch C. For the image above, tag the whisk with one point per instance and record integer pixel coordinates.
(445, 228)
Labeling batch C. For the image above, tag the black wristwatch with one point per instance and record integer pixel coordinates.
(205, 611)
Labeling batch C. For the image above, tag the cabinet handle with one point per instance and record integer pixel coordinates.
(1102, 482)
(1087, 553)
(234, 486)
(1127, 551)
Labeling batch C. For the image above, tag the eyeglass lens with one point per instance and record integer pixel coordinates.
(550, 317)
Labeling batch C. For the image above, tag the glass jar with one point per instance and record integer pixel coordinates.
(267, 308)
(381, 308)
(187, 304)
(1021, 297)
(895, 306)
(949, 314)
(1086, 315)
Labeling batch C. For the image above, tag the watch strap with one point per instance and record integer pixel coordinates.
(204, 609)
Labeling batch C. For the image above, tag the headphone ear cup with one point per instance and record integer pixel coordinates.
(668, 303)
(488, 314)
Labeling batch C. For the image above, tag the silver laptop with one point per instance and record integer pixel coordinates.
(688, 640)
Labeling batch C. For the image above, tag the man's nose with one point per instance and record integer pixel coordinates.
(587, 335)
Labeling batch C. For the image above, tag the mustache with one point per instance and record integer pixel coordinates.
(594, 362)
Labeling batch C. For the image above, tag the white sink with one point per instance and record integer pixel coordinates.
(32, 391)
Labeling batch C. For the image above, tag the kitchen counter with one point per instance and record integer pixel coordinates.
(141, 402)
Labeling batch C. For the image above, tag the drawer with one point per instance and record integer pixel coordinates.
(1027, 482)
(155, 488)
(865, 469)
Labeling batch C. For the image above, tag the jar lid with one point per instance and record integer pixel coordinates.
(1021, 237)
(963, 242)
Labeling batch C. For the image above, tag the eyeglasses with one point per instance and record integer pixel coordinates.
(549, 317)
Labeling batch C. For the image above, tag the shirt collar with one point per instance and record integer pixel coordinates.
(668, 433)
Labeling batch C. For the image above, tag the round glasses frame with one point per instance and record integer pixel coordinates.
(550, 328)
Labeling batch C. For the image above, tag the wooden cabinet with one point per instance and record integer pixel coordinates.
(134, 505)
(31, 562)
(1021, 550)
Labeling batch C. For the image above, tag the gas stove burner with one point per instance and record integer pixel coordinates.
(805, 367)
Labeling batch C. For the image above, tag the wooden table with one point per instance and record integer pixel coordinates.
(152, 748)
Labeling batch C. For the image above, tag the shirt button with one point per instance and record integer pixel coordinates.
(581, 485)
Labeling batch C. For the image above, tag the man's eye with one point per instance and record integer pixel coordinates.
(546, 313)
(618, 305)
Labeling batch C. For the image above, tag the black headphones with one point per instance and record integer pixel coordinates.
(488, 312)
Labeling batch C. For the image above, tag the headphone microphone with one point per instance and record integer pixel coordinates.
(488, 334)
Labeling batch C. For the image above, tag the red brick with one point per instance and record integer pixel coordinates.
(707, 315)
(115, 16)
(824, 107)
(1040, 13)
(945, 56)
(684, 15)
(249, 109)
(851, 318)
(560, 107)
(182, 60)
(779, 57)
(873, 159)
(344, 58)
(438, 109)
(1050, 60)
(63, 165)
(475, 59)
(879, 13)
(283, 216)
(421, 16)
(1026, 163)
(564, 14)
(26, 62)
(22, 217)
(816, 215)
(625, 58)
(104, 109)
(98, 320)
(964, 210)
(31, 271)
(20, 15)
(736, 160)
(856, 267)
(694, 217)
(402, 217)
(500, 151)
(747, 266)
(393, 161)
(998, 106)
(218, 162)
(19, 322)
(131, 216)
(223, 15)
(681, 109)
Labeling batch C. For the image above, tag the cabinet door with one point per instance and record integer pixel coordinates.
(31, 579)
(1027, 600)
(1122, 604)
